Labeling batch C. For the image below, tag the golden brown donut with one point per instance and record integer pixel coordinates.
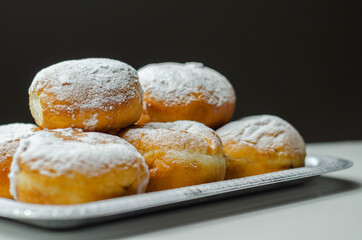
(95, 94)
(70, 166)
(190, 91)
(178, 154)
(260, 144)
(10, 136)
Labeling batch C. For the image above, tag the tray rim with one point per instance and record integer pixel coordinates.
(124, 205)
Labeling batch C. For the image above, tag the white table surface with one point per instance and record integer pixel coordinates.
(329, 207)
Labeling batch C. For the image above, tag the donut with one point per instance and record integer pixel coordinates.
(68, 166)
(178, 154)
(190, 91)
(94, 94)
(261, 144)
(10, 136)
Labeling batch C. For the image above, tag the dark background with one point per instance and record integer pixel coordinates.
(300, 60)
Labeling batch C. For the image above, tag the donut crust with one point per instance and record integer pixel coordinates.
(248, 161)
(199, 111)
(6, 158)
(106, 119)
(33, 187)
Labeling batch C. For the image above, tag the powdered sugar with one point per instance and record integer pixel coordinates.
(184, 134)
(14, 132)
(66, 151)
(175, 83)
(265, 132)
(86, 84)
(90, 123)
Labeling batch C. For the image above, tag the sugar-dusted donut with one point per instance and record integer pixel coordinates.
(261, 144)
(190, 91)
(10, 136)
(178, 154)
(94, 94)
(70, 166)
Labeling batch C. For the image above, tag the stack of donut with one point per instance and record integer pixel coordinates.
(105, 130)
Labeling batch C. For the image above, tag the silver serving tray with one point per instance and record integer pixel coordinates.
(69, 216)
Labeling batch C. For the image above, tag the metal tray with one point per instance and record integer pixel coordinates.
(70, 216)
